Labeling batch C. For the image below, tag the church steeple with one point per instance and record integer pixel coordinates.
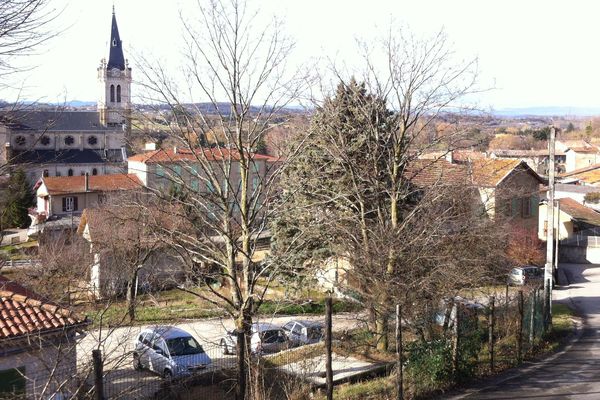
(116, 58)
(114, 79)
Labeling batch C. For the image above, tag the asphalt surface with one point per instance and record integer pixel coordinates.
(575, 372)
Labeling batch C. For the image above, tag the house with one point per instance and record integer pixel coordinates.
(574, 218)
(509, 189)
(588, 175)
(579, 153)
(162, 168)
(536, 159)
(577, 193)
(120, 243)
(61, 142)
(37, 344)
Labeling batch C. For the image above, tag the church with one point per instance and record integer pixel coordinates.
(60, 142)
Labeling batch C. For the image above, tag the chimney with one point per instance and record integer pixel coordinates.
(174, 149)
(450, 156)
(86, 180)
(150, 146)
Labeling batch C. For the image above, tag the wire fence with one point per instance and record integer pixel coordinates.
(465, 339)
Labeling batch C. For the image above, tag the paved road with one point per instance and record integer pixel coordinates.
(573, 374)
(123, 382)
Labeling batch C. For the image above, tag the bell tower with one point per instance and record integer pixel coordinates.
(114, 81)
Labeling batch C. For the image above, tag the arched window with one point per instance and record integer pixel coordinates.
(118, 93)
(70, 172)
(46, 173)
(112, 93)
(94, 171)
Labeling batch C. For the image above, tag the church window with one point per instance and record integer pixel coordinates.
(118, 93)
(69, 140)
(112, 93)
(70, 172)
(20, 140)
(92, 140)
(46, 173)
(45, 140)
(94, 171)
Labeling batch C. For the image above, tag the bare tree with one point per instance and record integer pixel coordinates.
(213, 179)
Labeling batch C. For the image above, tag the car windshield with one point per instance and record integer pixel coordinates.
(315, 332)
(182, 346)
(273, 336)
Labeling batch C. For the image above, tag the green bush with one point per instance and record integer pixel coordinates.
(429, 364)
(593, 197)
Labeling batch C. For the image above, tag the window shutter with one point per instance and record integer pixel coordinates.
(515, 207)
(535, 202)
(64, 204)
(75, 203)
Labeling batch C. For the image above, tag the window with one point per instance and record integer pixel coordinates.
(112, 93)
(526, 207)
(20, 140)
(94, 171)
(177, 170)
(102, 198)
(92, 140)
(118, 93)
(45, 140)
(12, 383)
(46, 173)
(69, 204)
(209, 187)
(69, 140)
(255, 182)
(194, 184)
(70, 172)
(160, 171)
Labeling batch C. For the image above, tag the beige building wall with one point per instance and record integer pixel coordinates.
(565, 224)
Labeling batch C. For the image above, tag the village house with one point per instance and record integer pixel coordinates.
(574, 219)
(579, 154)
(536, 159)
(37, 344)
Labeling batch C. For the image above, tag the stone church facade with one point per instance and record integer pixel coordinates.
(60, 142)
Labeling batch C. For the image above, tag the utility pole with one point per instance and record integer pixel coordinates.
(548, 270)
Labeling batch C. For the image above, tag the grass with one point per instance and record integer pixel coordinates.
(175, 305)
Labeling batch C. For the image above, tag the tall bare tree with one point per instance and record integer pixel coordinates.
(237, 65)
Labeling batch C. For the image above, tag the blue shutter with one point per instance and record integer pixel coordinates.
(515, 207)
(535, 203)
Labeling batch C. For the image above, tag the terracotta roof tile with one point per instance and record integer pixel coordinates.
(579, 212)
(426, 173)
(23, 312)
(97, 183)
(172, 155)
(490, 172)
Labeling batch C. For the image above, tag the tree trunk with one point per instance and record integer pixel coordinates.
(243, 354)
(381, 332)
(131, 295)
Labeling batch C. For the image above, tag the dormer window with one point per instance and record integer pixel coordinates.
(114, 43)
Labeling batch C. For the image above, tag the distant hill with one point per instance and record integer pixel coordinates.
(548, 111)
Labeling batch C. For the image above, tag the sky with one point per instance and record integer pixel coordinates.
(530, 53)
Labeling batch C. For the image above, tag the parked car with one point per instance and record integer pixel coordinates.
(303, 332)
(446, 314)
(266, 338)
(526, 275)
(169, 351)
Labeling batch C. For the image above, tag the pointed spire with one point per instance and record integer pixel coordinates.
(115, 58)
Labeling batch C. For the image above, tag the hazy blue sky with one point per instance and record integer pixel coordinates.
(535, 53)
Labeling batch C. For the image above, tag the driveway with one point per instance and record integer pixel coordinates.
(123, 382)
(572, 374)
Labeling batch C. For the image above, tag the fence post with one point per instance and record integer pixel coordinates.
(532, 319)
(456, 344)
(547, 300)
(98, 375)
(399, 349)
(491, 332)
(520, 329)
(328, 350)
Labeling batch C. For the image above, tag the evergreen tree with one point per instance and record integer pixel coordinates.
(16, 200)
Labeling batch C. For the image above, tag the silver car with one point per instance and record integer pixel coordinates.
(169, 351)
(303, 332)
(526, 275)
(266, 338)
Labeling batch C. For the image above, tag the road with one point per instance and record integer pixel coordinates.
(123, 382)
(573, 373)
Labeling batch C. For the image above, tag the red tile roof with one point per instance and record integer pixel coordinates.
(97, 183)
(176, 155)
(22, 312)
(579, 212)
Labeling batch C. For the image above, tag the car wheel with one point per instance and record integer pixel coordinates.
(137, 363)
(167, 374)
(225, 347)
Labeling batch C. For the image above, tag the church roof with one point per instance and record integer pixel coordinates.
(115, 58)
(86, 156)
(54, 121)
